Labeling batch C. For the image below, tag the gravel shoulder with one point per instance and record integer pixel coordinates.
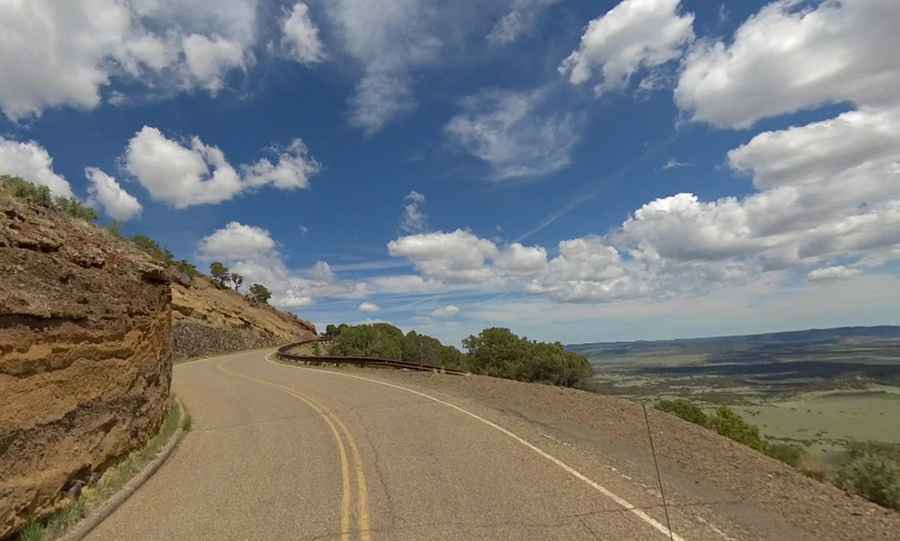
(740, 492)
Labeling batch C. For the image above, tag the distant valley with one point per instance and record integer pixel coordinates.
(819, 387)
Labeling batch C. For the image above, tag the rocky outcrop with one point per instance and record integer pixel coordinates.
(207, 320)
(85, 355)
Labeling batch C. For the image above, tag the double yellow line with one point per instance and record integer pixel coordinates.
(340, 432)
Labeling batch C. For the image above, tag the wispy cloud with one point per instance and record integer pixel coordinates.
(370, 265)
(673, 163)
(414, 219)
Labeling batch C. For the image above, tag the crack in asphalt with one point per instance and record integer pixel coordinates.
(379, 473)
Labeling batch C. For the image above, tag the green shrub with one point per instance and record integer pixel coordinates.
(785, 452)
(220, 274)
(500, 353)
(685, 409)
(28, 191)
(187, 268)
(41, 195)
(376, 340)
(259, 294)
(71, 206)
(729, 424)
(156, 251)
(423, 349)
(872, 470)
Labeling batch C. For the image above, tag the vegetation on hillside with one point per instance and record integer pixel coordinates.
(95, 495)
(223, 277)
(872, 470)
(35, 193)
(494, 352)
(731, 425)
(41, 195)
(499, 352)
(259, 294)
(869, 469)
(389, 342)
(164, 256)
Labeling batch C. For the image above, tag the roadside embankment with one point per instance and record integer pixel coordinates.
(207, 320)
(85, 355)
(704, 474)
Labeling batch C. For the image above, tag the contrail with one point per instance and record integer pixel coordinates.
(578, 201)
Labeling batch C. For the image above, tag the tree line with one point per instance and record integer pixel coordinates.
(494, 352)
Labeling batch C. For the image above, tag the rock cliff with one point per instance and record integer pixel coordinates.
(90, 324)
(85, 354)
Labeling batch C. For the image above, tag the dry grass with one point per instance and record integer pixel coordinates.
(110, 482)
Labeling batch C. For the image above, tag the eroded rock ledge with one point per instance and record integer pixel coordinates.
(85, 355)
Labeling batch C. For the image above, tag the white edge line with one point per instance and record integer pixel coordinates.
(568, 469)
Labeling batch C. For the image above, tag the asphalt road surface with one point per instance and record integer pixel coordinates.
(281, 452)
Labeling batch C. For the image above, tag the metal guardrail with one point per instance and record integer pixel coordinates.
(359, 361)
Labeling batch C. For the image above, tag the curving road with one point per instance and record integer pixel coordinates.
(284, 452)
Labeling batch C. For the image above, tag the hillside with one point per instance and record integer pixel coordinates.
(208, 320)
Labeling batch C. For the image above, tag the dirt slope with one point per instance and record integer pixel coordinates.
(209, 320)
(85, 354)
(704, 474)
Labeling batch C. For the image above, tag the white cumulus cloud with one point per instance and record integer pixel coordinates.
(237, 241)
(455, 257)
(445, 311)
(209, 59)
(104, 191)
(368, 307)
(166, 45)
(292, 168)
(792, 56)
(633, 35)
(183, 176)
(252, 252)
(837, 272)
(32, 162)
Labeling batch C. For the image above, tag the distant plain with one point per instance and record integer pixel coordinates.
(817, 388)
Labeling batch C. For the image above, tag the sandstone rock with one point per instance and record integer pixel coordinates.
(85, 356)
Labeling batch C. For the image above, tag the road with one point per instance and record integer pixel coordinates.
(282, 452)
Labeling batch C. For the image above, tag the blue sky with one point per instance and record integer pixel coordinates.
(575, 170)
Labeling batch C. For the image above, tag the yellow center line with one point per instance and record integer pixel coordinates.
(345, 466)
(361, 486)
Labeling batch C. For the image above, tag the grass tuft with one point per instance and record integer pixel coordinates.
(111, 482)
(33, 532)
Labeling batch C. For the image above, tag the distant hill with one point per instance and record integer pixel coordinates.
(812, 338)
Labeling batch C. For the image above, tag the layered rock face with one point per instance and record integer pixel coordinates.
(208, 320)
(85, 355)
